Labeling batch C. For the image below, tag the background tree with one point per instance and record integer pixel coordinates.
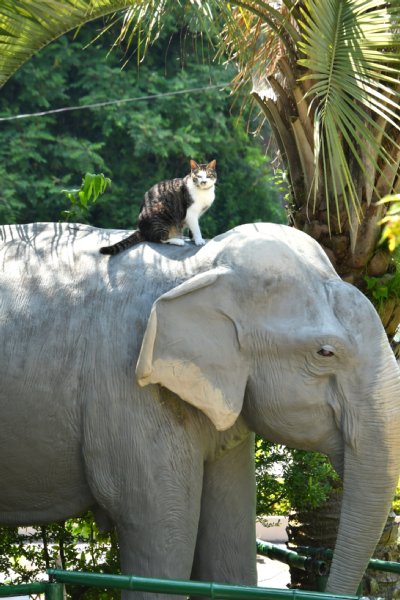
(136, 143)
(76, 544)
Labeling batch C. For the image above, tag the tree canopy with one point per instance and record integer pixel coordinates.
(134, 143)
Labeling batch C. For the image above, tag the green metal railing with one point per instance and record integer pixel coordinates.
(313, 561)
(374, 563)
(293, 559)
(51, 591)
(217, 591)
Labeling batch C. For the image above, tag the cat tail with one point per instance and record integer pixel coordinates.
(131, 240)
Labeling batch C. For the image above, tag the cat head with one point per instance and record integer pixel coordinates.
(203, 176)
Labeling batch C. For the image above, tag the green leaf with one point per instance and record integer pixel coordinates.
(93, 186)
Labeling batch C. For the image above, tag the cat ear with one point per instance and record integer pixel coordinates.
(212, 164)
(193, 165)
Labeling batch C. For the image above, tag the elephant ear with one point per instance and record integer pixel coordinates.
(191, 347)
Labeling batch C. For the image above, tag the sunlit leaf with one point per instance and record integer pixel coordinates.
(391, 222)
(27, 26)
(81, 200)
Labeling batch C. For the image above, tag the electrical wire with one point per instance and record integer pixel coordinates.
(110, 102)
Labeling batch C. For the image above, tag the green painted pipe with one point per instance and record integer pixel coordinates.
(54, 591)
(217, 591)
(24, 589)
(51, 591)
(324, 553)
(384, 565)
(305, 563)
(374, 563)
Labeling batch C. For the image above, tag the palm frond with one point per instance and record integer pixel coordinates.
(350, 52)
(26, 26)
(330, 89)
(263, 35)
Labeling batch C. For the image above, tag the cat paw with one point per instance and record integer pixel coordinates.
(200, 242)
(176, 241)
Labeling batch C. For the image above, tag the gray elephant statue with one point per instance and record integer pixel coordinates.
(133, 385)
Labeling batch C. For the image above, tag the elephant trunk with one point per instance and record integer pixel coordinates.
(371, 472)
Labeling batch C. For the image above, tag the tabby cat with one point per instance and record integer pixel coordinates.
(171, 205)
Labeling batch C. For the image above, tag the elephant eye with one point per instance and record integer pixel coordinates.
(326, 351)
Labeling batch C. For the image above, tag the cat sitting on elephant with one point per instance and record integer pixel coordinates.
(134, 386)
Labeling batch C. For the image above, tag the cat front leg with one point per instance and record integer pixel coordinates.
(192, 221)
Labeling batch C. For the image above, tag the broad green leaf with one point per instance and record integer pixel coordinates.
(93, 185)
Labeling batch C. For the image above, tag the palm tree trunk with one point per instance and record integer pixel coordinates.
(350, 240)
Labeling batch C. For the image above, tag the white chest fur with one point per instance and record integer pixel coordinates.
(202, 199)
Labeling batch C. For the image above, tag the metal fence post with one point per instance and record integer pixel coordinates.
(54, 591)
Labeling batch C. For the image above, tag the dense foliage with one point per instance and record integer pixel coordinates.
(77, 544)
(289, 479)
(135, 143)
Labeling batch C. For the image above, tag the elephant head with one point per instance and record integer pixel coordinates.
(270, 332)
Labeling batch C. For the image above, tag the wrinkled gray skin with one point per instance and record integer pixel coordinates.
(232, 332)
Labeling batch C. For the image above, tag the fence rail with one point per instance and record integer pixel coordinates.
(217, 591)
(374, 563)
(310, 563)
(314, 560)
(51, 591)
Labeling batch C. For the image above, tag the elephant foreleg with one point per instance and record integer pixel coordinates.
(159, 538)
(226, 541)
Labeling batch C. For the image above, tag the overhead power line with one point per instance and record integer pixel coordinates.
(110, 102)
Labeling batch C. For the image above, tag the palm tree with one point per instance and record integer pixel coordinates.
(325, 75)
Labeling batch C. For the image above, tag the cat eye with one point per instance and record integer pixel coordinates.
(326, 351)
